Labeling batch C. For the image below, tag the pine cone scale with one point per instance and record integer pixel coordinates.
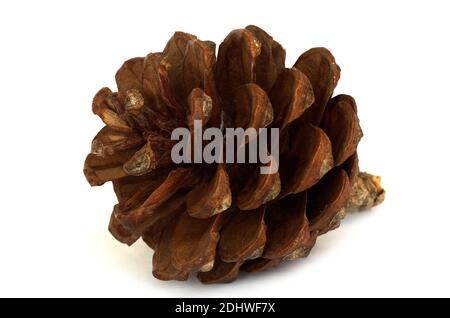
(288, 228)
(319, 65)
(327, 198)
(242, 236)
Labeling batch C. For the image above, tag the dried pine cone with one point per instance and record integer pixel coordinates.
(216, 219)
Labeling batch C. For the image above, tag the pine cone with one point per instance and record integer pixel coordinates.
(219, 218)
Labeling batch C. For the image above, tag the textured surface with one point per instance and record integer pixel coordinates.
(217, 218)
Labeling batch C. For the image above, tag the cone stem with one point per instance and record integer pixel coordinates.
(366, 192)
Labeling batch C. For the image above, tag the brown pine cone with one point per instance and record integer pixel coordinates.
(218, 218)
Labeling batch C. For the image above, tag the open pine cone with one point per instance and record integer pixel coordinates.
(218, 218)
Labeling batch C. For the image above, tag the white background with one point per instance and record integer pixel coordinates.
(54, 56)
